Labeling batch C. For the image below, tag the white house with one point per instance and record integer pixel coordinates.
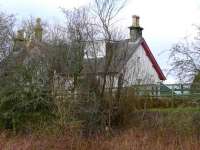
(131, 58)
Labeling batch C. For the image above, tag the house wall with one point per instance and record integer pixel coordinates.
(139, 69)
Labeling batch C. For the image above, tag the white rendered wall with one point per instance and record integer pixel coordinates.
(140, 70)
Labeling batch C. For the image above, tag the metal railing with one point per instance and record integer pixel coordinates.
(186, 90)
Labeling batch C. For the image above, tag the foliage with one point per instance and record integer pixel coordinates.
(195, 87)
(197, 78)
(35, 91)
(108, 112)
(90, 113)
(23, 100)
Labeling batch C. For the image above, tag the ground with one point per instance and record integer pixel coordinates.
(159, 129)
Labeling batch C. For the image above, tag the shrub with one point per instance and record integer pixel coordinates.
(23, 100)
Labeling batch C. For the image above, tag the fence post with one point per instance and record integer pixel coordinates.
(182, 91)
(172, 94)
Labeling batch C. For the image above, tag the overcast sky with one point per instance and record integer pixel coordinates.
(164, 21)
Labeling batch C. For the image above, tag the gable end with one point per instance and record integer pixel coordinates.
(153, 60)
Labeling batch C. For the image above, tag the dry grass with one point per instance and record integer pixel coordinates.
(133, 139)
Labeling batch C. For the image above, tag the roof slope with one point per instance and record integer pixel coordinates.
(153, 60)
(122, 51)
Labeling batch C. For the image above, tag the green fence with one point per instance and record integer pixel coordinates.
(186, 90)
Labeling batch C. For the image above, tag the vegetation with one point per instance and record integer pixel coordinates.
(24, 101)
(33, 87)
(7, 23)
(51, 100)
(184, 59)
(148, 131)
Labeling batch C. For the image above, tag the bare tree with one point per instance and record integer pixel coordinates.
(7, 23)
(185, 62)
(106, 11)
(76, 26)
(28, 25)
(56, 35)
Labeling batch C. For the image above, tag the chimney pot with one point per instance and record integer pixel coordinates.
(135, 21)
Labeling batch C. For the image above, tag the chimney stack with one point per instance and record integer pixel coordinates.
(135, 29)
(19, 41)
(38, 30)
(20, 35)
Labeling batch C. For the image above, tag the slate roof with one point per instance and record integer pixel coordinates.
(122, 52)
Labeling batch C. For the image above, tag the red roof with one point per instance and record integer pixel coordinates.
(153, 60)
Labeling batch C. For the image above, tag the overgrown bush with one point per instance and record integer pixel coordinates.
(27, 102)
(90, 112)
(24, 100)
(99, 113)
(179, 120)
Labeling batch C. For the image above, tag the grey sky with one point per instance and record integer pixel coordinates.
(164, 21)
